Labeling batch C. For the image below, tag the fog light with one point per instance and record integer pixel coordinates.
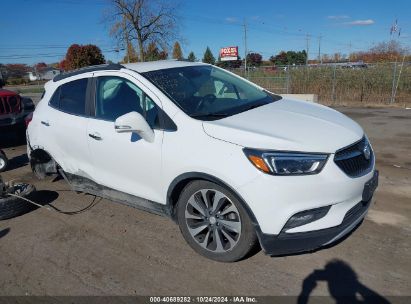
(306, 217)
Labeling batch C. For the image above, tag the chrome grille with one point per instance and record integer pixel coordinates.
(353, 159)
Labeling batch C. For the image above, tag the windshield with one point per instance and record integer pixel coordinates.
(208, 93)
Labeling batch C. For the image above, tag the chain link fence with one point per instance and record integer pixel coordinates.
(384, 83)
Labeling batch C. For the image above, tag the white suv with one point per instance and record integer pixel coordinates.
(233, 164)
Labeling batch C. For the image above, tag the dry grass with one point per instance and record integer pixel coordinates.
(338, 86)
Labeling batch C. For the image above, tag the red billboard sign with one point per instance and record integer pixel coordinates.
(229, 53)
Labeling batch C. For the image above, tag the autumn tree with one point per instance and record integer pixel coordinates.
(131, 55)
(40, 66)
(177, 52)
(79, 56)
(16, 70)
(143, 21)
(382, 52)
(208, 56)
(254, 59)
(191, 57)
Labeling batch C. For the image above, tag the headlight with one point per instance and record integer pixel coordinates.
(286, 163)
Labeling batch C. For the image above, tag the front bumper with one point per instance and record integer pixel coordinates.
(292, 243)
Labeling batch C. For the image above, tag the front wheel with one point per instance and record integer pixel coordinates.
(214, 222)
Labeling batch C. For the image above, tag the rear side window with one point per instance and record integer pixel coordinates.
(71, 97)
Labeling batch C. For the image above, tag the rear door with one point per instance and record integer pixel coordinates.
(124, 161)
(65, 125)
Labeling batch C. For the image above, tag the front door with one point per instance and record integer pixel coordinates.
(125, 161)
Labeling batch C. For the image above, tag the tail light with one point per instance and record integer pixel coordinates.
(28, 119)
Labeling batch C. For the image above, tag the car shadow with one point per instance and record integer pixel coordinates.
(17, 162)
(4, 232)
(44, 197)
(12, 138)
(343, 285)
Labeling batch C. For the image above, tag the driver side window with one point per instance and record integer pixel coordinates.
(116, 96)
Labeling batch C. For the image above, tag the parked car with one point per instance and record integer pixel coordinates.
(233, 164)
(3, 161)
(14, 109)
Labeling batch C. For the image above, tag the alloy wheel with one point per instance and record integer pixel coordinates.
(213, 220)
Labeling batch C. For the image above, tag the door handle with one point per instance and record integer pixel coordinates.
(46, 123)
(95, 136)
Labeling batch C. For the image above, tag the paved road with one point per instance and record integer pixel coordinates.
(107, 248)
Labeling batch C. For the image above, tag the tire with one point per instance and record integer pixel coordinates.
(11, 206)
(3, 161)
(225, 233)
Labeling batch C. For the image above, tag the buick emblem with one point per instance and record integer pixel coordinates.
(367, 152)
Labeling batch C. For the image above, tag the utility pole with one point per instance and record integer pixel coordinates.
(307, 38)
(319, 50)
(245, 48)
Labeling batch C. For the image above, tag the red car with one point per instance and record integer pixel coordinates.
(14, 109)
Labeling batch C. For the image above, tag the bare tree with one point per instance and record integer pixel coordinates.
(143, 21)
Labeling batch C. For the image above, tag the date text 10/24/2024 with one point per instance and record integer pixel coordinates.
(204, 299)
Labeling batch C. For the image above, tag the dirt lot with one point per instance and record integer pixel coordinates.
(110, 249)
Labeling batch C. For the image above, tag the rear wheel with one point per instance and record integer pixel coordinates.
(214, 223)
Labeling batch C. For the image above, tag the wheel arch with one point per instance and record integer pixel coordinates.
(179, 183)
(42, 163)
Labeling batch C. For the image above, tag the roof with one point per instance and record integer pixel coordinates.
(142, 67)
(139, 67)
(7, 93)
(101, 67)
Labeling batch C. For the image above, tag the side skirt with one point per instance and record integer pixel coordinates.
(83, 184)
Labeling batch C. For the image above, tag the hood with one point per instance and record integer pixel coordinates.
(288, 125)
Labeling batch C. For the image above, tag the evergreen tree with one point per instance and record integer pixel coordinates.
(208, 56)
(191, 57)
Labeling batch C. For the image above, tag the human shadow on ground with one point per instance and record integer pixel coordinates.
(343, 285)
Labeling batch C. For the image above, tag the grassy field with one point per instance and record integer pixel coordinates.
(338, 85)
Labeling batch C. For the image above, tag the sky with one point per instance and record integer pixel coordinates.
(34, 31)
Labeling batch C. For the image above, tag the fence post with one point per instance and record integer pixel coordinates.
(393, 82)
(334, 83)
(288, 79)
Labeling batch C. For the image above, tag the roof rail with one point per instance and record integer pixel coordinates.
(101, 67)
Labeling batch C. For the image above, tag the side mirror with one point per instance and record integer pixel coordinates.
(134, 122)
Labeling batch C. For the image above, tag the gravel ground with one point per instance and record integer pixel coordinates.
(110, 249)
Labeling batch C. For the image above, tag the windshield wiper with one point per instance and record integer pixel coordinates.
(209, 115)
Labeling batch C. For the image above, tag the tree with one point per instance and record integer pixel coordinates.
(177, 52)
(131, 55)
(208, 56)
(254, 59)
(289, 58)
(279, 59)
(381, 52)
(144, 21)
(191, 57)
(40, 66)
(153, 53)
(79, 56)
